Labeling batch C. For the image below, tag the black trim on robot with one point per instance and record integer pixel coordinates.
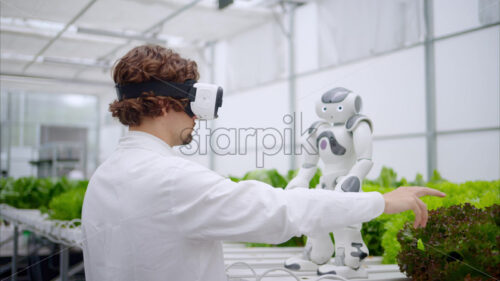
(351, 184)
(335, 95)
(335, 146)
(354, 120)
(314, 126)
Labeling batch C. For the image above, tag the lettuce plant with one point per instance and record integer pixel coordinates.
(34, 193)
(67, 205)
(460, 242)
(271, 177)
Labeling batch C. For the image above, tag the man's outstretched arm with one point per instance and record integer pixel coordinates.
(407, 198)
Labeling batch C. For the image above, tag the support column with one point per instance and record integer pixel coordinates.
(14, 254)
(430, 89)
(9, 123)
(292, 81)
(213, 125)
(63, 263)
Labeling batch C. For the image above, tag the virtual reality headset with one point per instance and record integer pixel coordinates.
(204, 99)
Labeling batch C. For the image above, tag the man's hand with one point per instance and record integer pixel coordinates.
(407, 198)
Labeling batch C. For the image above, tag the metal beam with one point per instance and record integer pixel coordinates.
(466, 131)
(171, 16)
(292, 96)
(57, 60)
(14, 253)
(78, 62)
(438, 133)
(430, 89)
(1, 144)
(121, 35)
(452, 35)
(76, 269)
(211, 154)
(362, 59)
(63, 263)
(155, 26)
(49, 33)
(9, 122)
(146, 31)
(75, 18)
(57, 79)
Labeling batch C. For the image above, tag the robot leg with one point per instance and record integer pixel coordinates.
(350, 252)
(322, 249)
(356, 249)
(318, 251)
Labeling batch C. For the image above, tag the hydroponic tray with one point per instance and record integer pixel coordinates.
(62, 232)
(242, 263)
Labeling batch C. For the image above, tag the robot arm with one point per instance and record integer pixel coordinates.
(306, 172)
(362, 139)
(310, 163)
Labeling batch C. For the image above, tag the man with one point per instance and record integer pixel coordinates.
(149, 214)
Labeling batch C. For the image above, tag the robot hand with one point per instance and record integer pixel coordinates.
(298, 182)
(349, 183)
(353, 181)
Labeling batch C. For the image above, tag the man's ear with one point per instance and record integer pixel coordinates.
(165, 109)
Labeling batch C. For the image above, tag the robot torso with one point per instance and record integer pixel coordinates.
(336, 150)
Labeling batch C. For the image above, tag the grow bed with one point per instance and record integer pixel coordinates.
(61, 232)
(242, 263)
(254, 263)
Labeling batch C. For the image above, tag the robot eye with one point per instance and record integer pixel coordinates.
(340, 108)
(324, 109)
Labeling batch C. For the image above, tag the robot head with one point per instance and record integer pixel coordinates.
(337, 105)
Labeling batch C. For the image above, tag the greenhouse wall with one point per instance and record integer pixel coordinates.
(390, 77)
(387, 69)
(25, 113)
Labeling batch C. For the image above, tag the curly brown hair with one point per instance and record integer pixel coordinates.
(145, 63)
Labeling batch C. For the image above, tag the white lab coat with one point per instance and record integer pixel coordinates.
(149, 214)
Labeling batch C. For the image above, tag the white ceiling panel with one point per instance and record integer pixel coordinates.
(92, 74)
(10, 66)
(123, 15)
(65, 47)
(123, 50)
(54, 70)
(210, 24)
(29, 25)
(21, 43)
(47, 86)
(53, 10)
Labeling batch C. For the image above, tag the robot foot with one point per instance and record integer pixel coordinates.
(298, 263)
(344, 271)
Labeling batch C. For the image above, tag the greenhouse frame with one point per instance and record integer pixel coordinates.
(427, 71)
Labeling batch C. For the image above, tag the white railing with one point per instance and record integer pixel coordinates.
(67, 233)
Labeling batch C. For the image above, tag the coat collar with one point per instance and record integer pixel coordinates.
(139, 139)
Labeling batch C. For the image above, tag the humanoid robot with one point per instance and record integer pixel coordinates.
(343, 139)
